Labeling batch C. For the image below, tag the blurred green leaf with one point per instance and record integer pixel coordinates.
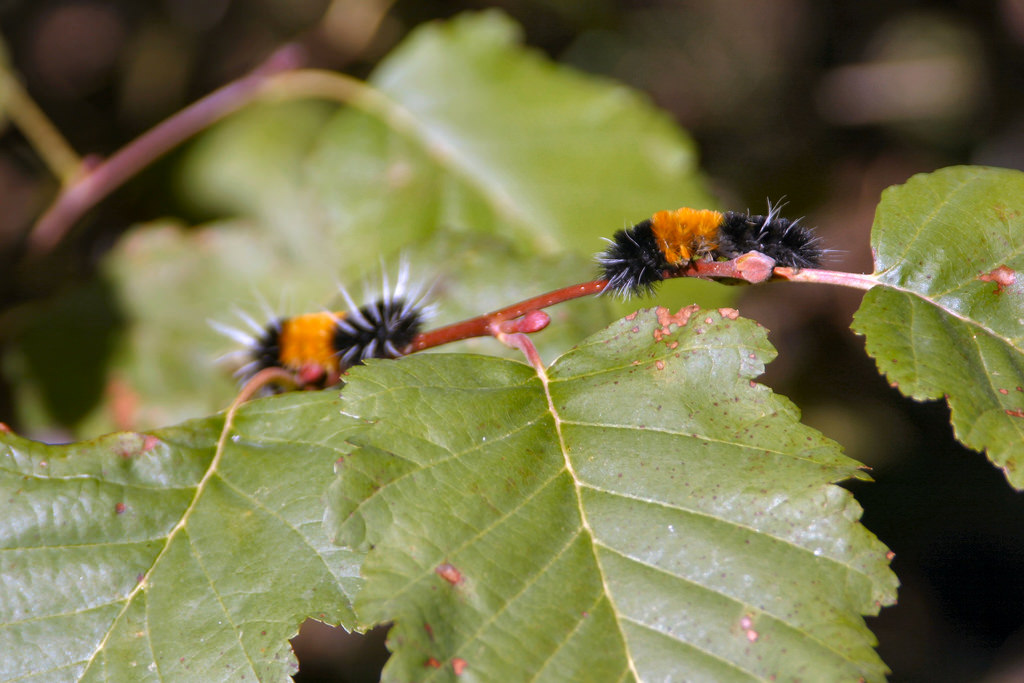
(642, 510)
(253, 163)
(561, 158)
(162, 556)
(949, 318)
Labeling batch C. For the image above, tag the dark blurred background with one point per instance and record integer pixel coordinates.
(824, 103)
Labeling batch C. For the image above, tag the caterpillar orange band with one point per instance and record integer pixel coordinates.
(685, 234)
(308, 339)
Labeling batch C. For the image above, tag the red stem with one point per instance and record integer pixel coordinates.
(484, 325)
(522, 342)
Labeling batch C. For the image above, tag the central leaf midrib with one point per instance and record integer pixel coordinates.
(571, 470)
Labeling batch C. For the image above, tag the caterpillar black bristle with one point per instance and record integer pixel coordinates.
(633, 262)
(787, 242)
(640, 257)
(382, 329)
(317, 347)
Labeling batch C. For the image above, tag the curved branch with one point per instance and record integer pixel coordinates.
(97, 182)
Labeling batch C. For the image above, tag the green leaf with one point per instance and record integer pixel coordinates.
(948, 320)
(164, 556)
(641, 510)
(561, 157)
(252, 165)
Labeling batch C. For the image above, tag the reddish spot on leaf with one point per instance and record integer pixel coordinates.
(730, 313)
(433, 663)
(449, 573)
(1015, 413)
(889, 555)
(747, 624)
(5, 428)
(1002, 276)
(429, 629)
(1004, 392)
(1005, 215)
(133, 443)
(458, 665)
(631, 316)
(120, 508)
(660, 364)
(679, 318)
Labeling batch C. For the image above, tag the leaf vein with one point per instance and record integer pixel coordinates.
(732, 665)
(729, 522)
(197, 556)
(569, 636)
(453, 455)
(660, 430)
(936, 208)
(745, 605)
(472, 539)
